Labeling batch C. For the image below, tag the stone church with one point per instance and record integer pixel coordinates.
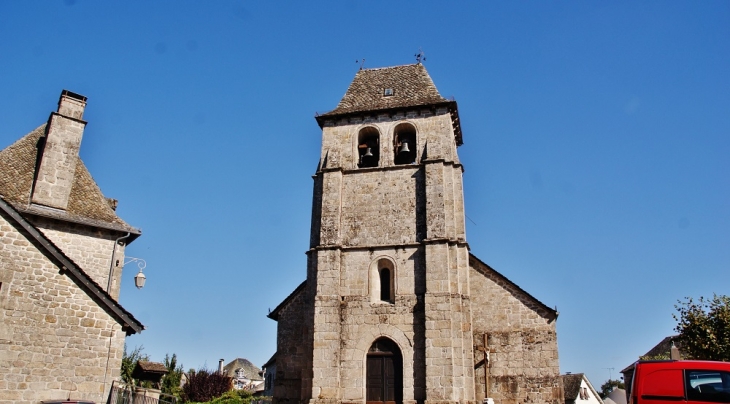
(62, 245)
(394, 308)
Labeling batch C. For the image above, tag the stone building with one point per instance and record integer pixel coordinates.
(245, 375)
(62, 247)
(579, 390)
(394, 308)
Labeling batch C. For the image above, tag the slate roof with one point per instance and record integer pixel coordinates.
(251, 371)
(274, 314)
(87, 205)
(617, 396)
(129, 324)
(271, 361)
(664, 347)
(571, 385)
(155, 367)
(411, 87)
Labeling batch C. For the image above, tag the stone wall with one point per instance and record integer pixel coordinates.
(363, 216)
(365, 318)
(56, 342)
(90, 248)
(292, 383)
(521, 337)
(435, 137)
(379, 207)
(405, 221)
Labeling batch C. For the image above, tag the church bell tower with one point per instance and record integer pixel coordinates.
(388, 263)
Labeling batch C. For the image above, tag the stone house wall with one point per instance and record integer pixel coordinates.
(90, 248)
(56, 341)
(294, 348)
(522, 340)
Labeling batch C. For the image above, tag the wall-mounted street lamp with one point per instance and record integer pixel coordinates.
(139, 279)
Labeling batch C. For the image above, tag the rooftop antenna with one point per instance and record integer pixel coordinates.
(420, 56)
(362, 62)
(610, 370)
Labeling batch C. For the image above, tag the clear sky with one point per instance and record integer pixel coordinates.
(596, 149)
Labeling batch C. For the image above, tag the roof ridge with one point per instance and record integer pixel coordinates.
(390, 67)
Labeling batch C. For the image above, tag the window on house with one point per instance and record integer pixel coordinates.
(584, 393)
(404, 144)
(388, 92)
(368, 147)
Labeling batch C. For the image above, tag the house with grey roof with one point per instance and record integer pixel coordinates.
(579, 390)
(62, 245)
(395, 308)
(245, 375)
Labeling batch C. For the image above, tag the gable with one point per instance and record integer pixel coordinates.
(510, 288)
(274, 314)
(67, 267)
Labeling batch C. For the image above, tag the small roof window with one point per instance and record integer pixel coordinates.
(388, 92)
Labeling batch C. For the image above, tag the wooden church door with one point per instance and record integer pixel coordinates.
(384, 370)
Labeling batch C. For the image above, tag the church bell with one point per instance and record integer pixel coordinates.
(368, 153)
(404, 147)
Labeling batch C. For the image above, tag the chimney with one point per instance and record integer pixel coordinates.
(60, 152)
(220, 366)
(674, 353)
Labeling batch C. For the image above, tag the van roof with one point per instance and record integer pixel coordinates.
(686, 364)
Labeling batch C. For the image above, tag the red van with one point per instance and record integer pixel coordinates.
(659, 382)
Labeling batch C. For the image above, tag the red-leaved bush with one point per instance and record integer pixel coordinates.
(203, 385)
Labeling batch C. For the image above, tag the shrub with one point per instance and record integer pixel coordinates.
(203, 385)
(234, 397)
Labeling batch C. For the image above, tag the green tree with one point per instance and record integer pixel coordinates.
(610, 385)
(704, 327)
(129, 361)
(171, 381)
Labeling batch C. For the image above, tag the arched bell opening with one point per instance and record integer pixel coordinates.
(368, 147)
(384, 373)
(405, 144)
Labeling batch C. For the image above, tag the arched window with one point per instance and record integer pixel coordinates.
(382, 281)
(405, 144)
(385, 285)
(368, 147)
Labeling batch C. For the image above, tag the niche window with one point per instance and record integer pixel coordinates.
(368, 147)
(385, 285)
(405, 144)
(382, 281)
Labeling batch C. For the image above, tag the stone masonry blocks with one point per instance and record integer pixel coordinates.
(56, 339)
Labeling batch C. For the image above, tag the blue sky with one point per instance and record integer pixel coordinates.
(596, 144)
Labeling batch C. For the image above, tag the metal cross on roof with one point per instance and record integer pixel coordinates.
(420, 56)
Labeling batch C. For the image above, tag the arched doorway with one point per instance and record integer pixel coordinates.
(384, 381)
